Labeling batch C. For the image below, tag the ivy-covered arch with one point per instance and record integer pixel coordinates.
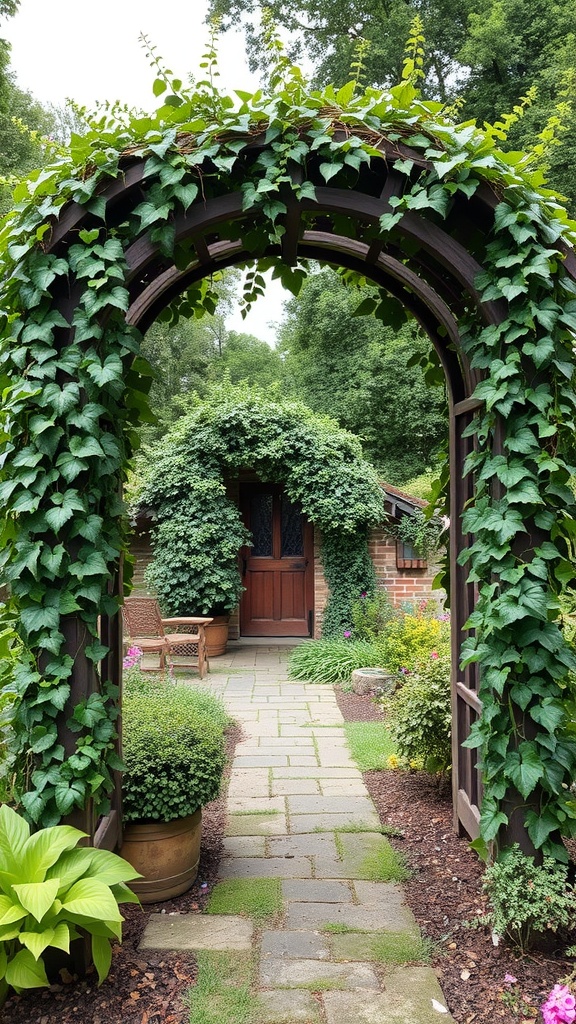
(134, 224)
(197, 530)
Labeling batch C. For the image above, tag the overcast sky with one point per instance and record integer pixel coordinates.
(90, 52)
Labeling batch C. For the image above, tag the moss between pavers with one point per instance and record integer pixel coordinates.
(371, 858)
(379, 947)
(223, 992)
(258, 898)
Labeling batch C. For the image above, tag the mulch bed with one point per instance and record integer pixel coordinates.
(445, 895)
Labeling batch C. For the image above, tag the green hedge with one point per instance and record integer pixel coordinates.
(174, 751)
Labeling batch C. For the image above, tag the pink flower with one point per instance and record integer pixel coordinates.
(509, 979)
(434, 654)
(560, 1007)
(133, 655)
(347, 633)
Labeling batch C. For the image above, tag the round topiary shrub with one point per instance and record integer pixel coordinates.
(174, 751)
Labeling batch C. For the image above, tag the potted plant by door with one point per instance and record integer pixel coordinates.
(196, 540)
(174, 752)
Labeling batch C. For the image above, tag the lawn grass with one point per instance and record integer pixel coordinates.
(370, 744)
(223, 993)
(258, 898)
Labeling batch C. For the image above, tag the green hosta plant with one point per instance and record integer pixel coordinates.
(52, 890)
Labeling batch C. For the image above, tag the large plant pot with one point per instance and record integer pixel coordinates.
(217, 635)
(166, 854)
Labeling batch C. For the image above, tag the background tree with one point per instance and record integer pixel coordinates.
(245, 358)
(357, 370)
(487, 54)
(24, 122)
(190, 353)
(326, 32)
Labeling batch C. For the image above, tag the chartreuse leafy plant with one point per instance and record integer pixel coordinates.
(51, 891)
(74, 387)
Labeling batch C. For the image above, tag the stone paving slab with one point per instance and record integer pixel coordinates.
(331, 787)
(407, 998)
(295, 787)
(259, 762)
(258, 789)
(289, 1006)
(335, 760)
(289, 747)
(195, 931)
(244, 846)
(316, 891)
(295, 731)
(256, 825)
(304, 845)
(395, 918)
(330, 805)
(333, 822)
(294, 758)
(309, 973)
(284, 772)
(266, 867)
(240, 804)
(294, 945)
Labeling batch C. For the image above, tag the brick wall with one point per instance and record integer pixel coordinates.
(403, 584)
(408, 584)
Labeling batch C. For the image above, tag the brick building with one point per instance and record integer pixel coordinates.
(271, 603)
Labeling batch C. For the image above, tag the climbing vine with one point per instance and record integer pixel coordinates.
(74, 389)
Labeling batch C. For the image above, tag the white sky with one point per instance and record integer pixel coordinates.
(89, 51)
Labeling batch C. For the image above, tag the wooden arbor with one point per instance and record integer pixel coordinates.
(431, 267)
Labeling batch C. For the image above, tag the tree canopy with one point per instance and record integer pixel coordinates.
(362, 373)
(485, 55)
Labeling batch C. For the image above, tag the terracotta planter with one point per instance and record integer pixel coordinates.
(217, 636)
(166, 854)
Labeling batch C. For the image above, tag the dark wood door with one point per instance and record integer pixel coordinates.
(278, 570)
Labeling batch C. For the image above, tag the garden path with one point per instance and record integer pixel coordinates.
(298, 811)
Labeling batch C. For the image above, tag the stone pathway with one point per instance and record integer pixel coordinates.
(319, 840)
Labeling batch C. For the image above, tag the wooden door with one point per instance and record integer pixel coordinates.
(278, 569)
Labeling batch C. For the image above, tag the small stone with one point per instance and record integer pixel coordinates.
(465, 975)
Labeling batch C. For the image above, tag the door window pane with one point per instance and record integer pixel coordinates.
(261, 524)
(292, 532)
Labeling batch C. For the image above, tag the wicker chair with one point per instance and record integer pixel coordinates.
(144, 627)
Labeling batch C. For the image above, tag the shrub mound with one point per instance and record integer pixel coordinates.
(174, 750)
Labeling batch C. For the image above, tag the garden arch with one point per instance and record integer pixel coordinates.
(433, 217)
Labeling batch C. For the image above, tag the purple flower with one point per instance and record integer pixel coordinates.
(560, 1007)
(347, 633)
(509, 979)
